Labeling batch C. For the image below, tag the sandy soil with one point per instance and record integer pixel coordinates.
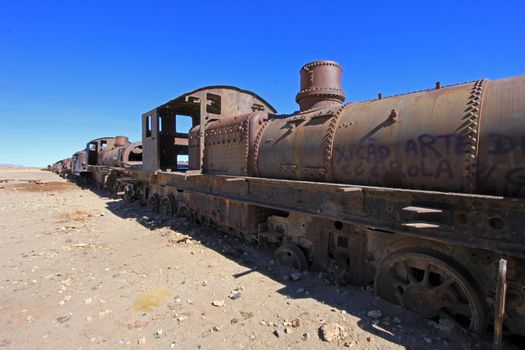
(81, 271)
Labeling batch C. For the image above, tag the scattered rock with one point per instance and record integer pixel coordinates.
(158, 334)
(63, 319)
(141, 341)
(246, 315)
(296, 323)
(218, 303)
(306, 336)
(287, 330)
(296, 276)
(427, 340)
(331, 331)
(216, 328)
(104, 313)
(174, 306)
(137, 324)
(445, 324)
(278, 333)
(234, 295)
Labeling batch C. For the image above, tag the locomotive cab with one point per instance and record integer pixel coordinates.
(96, 146)
(166, 129)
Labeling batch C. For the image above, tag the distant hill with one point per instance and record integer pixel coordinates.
(14, 166)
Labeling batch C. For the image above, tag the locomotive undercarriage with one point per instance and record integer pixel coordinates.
(419, 271)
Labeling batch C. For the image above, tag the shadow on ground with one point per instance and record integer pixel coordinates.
(376, 316)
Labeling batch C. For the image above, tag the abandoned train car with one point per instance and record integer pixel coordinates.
(421, 194)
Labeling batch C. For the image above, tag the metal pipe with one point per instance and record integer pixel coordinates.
(501, 289)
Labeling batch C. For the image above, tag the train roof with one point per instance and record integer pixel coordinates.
(182, 99)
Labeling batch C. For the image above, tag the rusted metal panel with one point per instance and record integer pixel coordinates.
(501, 157)
(229, 216)
(294, 147)
(95, 148)
(406, 141)
(488, 222)
(79, 161)
(204, 105)
(122, 155)
(132, 155)
(230, 144)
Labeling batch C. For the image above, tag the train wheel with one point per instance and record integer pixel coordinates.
(428, 283)
(98, 185)
(112, 184)
(184, 211)
(153, 202)
(140, 196)
(167, 206)
(129, 194)
(207, 222)
(291, 255)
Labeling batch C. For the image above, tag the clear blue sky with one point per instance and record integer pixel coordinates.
(72, 71)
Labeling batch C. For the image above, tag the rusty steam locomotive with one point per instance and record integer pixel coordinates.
(421, 194)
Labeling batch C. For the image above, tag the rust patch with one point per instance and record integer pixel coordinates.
(76, 215)
(43, 187)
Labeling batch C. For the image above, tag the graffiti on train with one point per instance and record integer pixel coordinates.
(426, 156)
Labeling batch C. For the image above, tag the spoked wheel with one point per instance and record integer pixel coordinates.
(291, 255)
(153, 202)
(183, 211)
(207, 222)
(167, 206)
(427, 282)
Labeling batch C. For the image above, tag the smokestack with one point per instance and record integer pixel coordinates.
(320, 85)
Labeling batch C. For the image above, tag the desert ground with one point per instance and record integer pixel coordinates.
(83, 271)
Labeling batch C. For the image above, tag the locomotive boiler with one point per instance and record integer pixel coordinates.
(463, 138)
(122, 154)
